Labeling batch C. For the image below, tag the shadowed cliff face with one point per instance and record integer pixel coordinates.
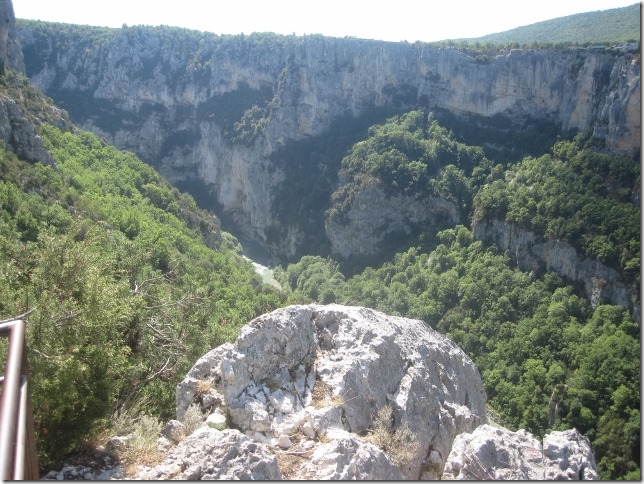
(4, 32)
(10, 53)
(224, 113)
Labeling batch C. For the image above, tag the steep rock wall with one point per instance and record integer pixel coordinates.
(601, 283)
(374, 216)
(10, 52)
(216, 110)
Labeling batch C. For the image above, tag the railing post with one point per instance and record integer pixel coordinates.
(18, 456)
(9, 401)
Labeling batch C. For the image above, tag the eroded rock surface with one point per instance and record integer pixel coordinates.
(491, 453)
(306, 372)
(210, 454)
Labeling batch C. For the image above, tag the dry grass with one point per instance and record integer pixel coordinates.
(203, 386)
(322, 396)
(142, 447)
(401, 443)
(289, 463)
(193, 419)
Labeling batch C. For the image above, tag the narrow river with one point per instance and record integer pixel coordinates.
(253, 252)
(266, 273)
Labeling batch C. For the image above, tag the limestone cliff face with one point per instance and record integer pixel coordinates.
(219, 111)
(601, 284)
(18, 122)
(373, 217)
(10, 52)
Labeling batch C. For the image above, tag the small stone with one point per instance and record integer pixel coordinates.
(308, 430)
(284, 441)
(174, 431)
(116, 444)
(216, 420)
(435, 458)
(51, 475)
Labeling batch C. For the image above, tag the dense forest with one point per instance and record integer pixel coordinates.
(124, 281)
(537, 343)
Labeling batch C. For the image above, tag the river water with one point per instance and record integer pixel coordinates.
(266, 273)
(252, 251)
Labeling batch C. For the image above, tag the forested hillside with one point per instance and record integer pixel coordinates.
(124, 281)
(550, 359)
(605, 27)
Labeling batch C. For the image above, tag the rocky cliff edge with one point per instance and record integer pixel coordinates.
(337, 392)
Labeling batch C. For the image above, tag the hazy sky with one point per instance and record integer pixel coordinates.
(395, 20)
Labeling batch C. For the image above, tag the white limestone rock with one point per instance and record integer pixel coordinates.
(212, 454)
(348, 457)
(360, 360)
(491, 453)
(568, 455)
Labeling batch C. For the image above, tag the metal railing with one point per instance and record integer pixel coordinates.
(18, 455)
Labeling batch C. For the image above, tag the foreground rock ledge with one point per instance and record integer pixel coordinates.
(302, 392)
(298, 373)
(497, 454)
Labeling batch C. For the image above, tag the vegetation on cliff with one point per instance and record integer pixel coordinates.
(607, 27)
(125, 281)
(549, 361)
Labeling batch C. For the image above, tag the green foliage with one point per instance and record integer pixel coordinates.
(125, 293)
(613, 26)
(531, 337)
(577, 194)
(409, 155)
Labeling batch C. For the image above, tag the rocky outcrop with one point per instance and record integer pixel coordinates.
(373, 217)
(18, 134)
(210, 454)
(339, 393)
(221, 111)
(491, 453)
(322, 374)
(17, 122)
(532, 253)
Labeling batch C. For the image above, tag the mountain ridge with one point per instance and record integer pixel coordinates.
(610, 26)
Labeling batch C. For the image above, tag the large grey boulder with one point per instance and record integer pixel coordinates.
(491, 453)
(303, 370)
